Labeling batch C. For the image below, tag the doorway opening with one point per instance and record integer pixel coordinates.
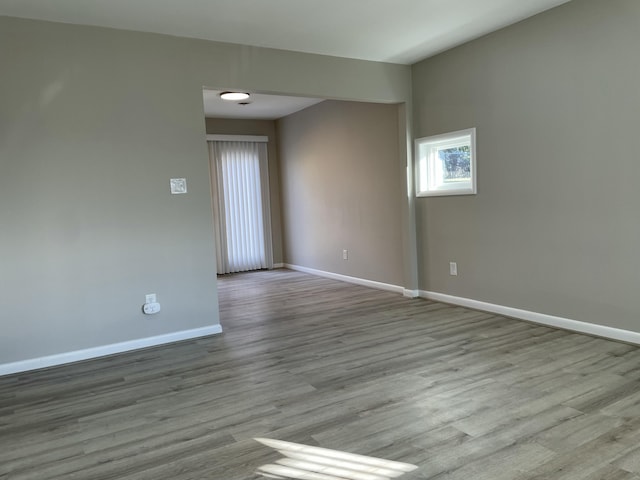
(241, 203)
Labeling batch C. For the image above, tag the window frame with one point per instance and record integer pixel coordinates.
(429, 182)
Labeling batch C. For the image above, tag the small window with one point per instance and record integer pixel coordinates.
(447, 164)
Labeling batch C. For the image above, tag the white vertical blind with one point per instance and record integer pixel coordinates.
(241, 205)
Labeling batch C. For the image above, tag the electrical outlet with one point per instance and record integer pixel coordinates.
(345, 254)
(150, 298)
(151, 308)
(453, 268)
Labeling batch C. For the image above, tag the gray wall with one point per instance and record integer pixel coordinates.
(232, 126)
(342, 189)
(554, 227)
(93, 123)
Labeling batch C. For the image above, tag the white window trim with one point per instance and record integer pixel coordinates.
(237, 138)
(426, 165)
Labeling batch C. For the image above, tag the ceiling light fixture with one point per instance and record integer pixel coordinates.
(234, 96)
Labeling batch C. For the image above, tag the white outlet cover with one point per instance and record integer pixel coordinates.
(453, 268)
(178, 185)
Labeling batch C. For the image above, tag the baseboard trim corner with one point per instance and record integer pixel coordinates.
(104, 350)
(539, 318)
(278, 265)
(411, 293)
(345, 278)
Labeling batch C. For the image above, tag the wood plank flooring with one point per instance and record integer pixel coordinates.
(459, 393)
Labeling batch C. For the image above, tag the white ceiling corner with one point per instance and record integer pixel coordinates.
(398, 31)
(257, 106)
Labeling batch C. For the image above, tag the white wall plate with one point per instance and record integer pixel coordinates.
(178, 185)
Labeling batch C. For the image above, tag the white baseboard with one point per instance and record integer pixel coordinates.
(540, 318)
(278, 265)
(411, 293)
(103, 350)
(345, 278)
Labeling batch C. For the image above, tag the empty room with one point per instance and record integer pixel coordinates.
(439, 281)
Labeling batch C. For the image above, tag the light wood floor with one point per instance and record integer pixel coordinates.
(460, 393)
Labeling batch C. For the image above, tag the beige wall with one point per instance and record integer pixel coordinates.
(94, 122)
(554, 227)
(231, 126)
(342, 189)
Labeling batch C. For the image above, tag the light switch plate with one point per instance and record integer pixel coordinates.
(178, 185)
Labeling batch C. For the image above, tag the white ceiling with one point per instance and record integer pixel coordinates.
(397, 31)
(260, 106)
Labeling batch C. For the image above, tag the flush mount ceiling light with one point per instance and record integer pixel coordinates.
(234, 96)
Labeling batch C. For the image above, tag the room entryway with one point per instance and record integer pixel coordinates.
(241, 207)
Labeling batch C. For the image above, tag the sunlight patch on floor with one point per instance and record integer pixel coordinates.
(304, 462)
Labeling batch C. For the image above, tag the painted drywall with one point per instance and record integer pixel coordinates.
(93, 124)
(341, 181)
(553, 228)
(233, 126)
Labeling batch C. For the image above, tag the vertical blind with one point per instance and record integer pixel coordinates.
(242, 219)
